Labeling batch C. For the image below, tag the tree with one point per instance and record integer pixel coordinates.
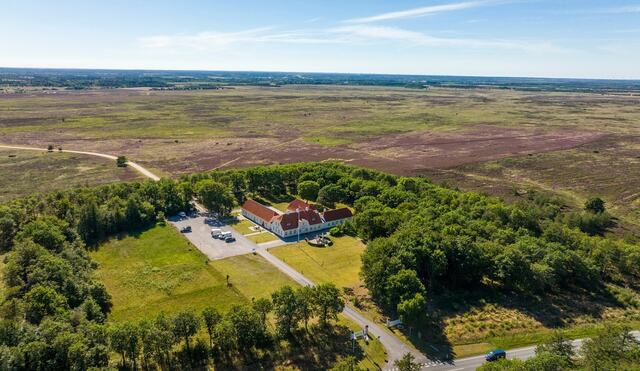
(121, 161)
(305, 304)
(404, 285)
(215, 196)
(185, 325)
(558, 345)
(125, 341)
(612, 346)
(330, 194)
(595, 205)
(263, 306)
(45, 233)
(407, 363)
(308, 190)
(43, 301)
(211, 318)
(88, 226)
(7, 232)
(349, 363)
(285, 307)
(410, 310)
(50, 148)
(328, 302)
(248, 329)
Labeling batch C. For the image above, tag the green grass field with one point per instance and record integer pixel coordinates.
(23, 173)
(339, 263)
(262, 237)
(243, 226)
(159, 270)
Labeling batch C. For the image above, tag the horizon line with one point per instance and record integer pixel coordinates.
(637, 79)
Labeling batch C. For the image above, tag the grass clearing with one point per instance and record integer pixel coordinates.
(159, 270)
(339, 263)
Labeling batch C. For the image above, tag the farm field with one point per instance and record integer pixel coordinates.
(23, 173)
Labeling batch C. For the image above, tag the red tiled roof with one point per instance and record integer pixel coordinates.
(299, 204)
(311, 216)
(259, 210)
(337, 214)
(288, 221)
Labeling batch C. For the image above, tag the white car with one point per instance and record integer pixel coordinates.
(216, 232)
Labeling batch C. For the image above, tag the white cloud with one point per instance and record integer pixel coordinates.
(381, 33)
(221, 40)
(202, 40)
(420, 12)
(623, 9)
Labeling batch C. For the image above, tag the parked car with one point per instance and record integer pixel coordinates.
(230, 239)
(495, 355)
(216, 232)
(182, 215)
(186, 229)
(224, 235)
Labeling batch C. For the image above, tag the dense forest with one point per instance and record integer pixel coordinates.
(190, 80)
(422, 239)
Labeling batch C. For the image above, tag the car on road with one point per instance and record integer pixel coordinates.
(186, 229)
(230, 239)
(495, 355)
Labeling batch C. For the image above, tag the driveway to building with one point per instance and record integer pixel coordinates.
(213, 248)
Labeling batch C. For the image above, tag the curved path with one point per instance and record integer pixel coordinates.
(137, 167)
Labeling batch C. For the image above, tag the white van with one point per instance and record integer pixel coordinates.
(224, 235)
(215, 232)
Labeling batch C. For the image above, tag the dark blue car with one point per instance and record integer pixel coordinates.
(495, 355)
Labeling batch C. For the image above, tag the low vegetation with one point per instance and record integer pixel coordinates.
(24, 173)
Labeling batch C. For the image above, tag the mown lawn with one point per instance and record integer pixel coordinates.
(339, 263)
(159, 270)
(242, 226)
(262, 237)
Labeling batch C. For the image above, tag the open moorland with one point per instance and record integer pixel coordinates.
(489, 139)
(23, 173)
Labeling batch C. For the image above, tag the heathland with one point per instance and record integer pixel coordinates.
(500, 141)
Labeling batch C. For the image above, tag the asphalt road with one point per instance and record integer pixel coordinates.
(472, 363)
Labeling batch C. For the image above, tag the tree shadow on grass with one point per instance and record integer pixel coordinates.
(550, 310)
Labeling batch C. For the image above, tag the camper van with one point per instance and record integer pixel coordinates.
(224, 235)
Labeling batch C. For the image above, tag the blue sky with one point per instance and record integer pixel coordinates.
(551, 38)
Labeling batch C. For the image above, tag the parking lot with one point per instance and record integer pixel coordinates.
(200, 236)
